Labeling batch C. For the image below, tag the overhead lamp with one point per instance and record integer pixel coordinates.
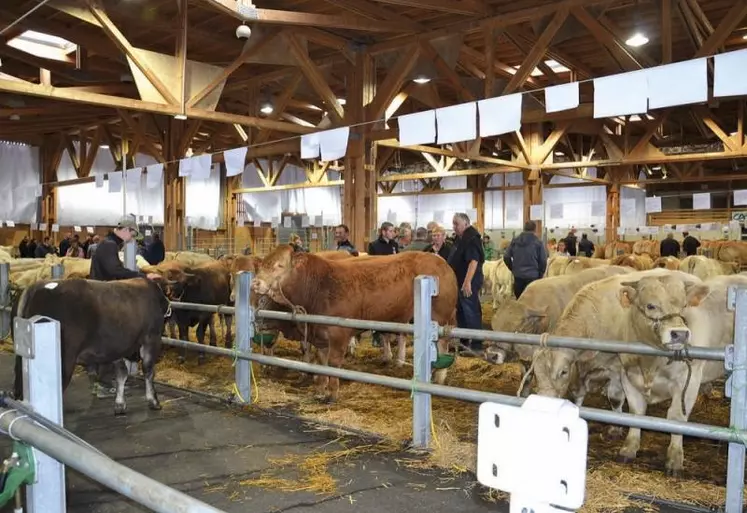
(495, 153)
(266, 109)
(743, 37)
(180, 117)
(422, 79)
(559, 154)
(342, 101)
(15, 117)
(656, 168)
(638, 39)
(104, 146)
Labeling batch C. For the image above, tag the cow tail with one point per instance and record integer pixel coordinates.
(691, 265)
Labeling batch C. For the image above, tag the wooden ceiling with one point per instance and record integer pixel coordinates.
(307, 48)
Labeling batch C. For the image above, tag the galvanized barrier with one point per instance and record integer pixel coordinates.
(426, 333)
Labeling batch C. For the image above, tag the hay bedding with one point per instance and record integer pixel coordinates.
(388, 413)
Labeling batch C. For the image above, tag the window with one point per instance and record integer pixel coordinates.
(42, 45)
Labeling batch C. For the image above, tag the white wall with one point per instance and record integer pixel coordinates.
(508, 215)
(632, 207)
(314, 201)
(420, 209)
(20, 169)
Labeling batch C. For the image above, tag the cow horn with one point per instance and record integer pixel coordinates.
(190, 275)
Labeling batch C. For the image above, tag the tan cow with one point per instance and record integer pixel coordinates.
(667, 262)
(376, 289)
(578, 264)
(647, 247)
(612, 249)
(649, 307)
(637, 262)
(556, 265)
(706, 268)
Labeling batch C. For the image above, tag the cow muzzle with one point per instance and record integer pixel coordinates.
(260, 287)
(676, 338)
(494, 355)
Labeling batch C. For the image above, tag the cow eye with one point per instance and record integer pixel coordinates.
(650, 307)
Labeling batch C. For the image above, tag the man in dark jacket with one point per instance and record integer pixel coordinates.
(670, 247)
(156, 252)
(585, 246)
(466, 260)
(43, 249)
(690, 245)
(526, 257)
(570, 242)
(385, 244)
(106, 266)
(342, 240)
(420, 242)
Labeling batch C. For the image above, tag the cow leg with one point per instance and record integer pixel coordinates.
(616, 396)
(335, 358)
(401, 350)
(228, 319)
(637, 404)
(183, 335)
(148, 353)
(439, 375)
(322, 382)
(120, 406)
(675, 453)
(201, 329)
(386, 347)
(352, 345)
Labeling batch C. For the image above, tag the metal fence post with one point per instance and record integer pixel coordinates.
(37, 341)
(5, 299)
(130, 250)
(736, 388)
(58, 271)
(244, 335)
(425, 352)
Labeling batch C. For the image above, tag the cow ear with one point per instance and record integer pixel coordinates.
(627, 295)
(537, 312)
(696, 293)
(585, 356)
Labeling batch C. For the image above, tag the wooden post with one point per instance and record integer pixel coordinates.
(174, 189)
(613, 213)
(477, 184)
(533, 139)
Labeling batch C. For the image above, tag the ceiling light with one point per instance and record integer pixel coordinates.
(421, 80)
(495, 153)
(656, 168)
(266, 109)
(559, 154)
(15, 117)
(744, 36)
(341, 101)
(104, 146)
(637, 39)
(180, 117)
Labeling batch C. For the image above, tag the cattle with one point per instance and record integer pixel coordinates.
(667, 262)
(647, 247)
(101, 323)
(652, 307)
(706, 268)
(376, 289)
(612, 249)
(730, 251)
(556, 265)
(209, 284)
(498, 280)
(638, 262)
(579, 264)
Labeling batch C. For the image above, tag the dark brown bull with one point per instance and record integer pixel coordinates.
(101, 323)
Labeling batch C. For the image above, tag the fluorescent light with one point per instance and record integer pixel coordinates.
(266, 109)
(495, 153)
(342, 101)
(637, 39)
(559, 153)
(104, 146)
(744, 36)
(180, 117)
(656, 168)
(15, 117)
(422, 80)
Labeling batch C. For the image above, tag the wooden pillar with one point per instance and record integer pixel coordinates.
(174, 188)
(477, 185)
(50, 156)
(359, 191)
(532, 143)
(613, 212)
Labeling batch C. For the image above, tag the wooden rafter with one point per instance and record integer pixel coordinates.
(393, 82)
(666, 31)
(730, 22)
(601, 34)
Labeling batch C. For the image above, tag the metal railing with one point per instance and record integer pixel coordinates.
(426, 332)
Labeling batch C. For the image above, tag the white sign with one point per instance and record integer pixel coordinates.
(55, 228)
(314, 236)
(240, 222)
(287, 222)
(318, 221)
(702, 201)
(536, 212)
(77, 229)
(148, 233)
(10, 224)
(740, 197)
(556, 211)
(653, 204)
(43, 227)
(304, 221)
(89, 229)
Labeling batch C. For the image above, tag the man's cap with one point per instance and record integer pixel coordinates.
(129, 224)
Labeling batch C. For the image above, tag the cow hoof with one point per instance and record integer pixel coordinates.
(674, 472)
(621, 458)
(154, 405)
(120, 409)
(614, 433)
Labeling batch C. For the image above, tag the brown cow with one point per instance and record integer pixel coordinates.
(637, 262)
(376, 289)
(667, 262)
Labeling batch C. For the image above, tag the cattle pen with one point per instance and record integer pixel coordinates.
(426, 333)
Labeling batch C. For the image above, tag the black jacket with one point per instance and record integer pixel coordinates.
(466, 248)
(570, 244)
(443, 252)
(526, 257)
(156, 252)
(670, 247)
(105, 263)
(586, 247)
(41, 251)
(382, 247)
(690, 245)
(346, 245)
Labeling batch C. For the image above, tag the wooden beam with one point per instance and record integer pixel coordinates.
(248, 51)
(280, 104)
(448, 153)
(463, 7)
(666, 31)
(537, 51)
(181, 53)
(392, 84)
(707, 118)
(445, 71)
(540, 155)
(604, 36)
(314, 75)
(731, 21)
(370, 10)
(306, 19)
(102, 100)
(489, 40)
(116, 36)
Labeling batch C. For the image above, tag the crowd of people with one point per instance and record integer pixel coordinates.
(72, 246)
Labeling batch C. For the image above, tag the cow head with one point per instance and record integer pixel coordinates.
(656, 305)
(176, 281)
(275, 272)
(556, 370)
(514, 317)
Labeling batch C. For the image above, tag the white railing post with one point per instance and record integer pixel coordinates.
(58, 271)
(736, 389)
(130, 250)
(5, 299)
(37, 341)
(425, 352)
(244, 334)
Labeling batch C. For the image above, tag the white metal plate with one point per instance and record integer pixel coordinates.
(537, 452)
